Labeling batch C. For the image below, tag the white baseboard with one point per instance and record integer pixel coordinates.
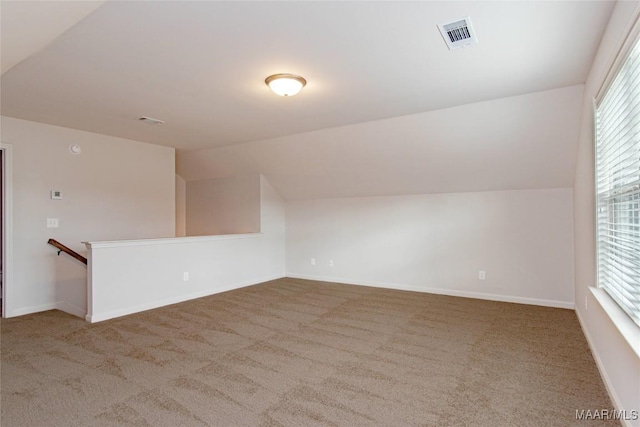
(72, 309)
(603, 372)
(60, 305)
(99, 317)
(33, 309)
(439, 291)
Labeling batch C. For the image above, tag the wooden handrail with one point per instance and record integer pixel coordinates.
(66, 250)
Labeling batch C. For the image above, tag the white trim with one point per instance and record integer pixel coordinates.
(168, 240)
(594, 200)
(627, 328)
(93, 318)
(7, 230)
(60, 305)
(631, 33)
(72, 309)
(623, 323)
(603, 372)
(89, 313)
(33, 309)
(439, 291)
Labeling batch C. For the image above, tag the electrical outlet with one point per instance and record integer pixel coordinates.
(313, 261)
(52, 222)
(482, 274)
(185, 276)
(330, 263)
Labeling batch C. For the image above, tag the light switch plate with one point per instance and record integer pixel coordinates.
(52, 222)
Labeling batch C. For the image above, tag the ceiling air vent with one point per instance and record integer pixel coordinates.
(459, 33)
(150, 120)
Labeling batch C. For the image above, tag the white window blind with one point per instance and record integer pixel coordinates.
(618, 186)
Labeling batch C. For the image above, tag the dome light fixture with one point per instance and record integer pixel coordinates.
(285, 84)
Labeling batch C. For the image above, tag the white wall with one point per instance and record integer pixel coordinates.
(181, 207)
(619, 363)
(515, 143)
(131, 276)
(438, 243)
(273, 228)
(114, 189)
(223, 206)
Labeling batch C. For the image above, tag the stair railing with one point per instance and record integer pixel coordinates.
(66, 250)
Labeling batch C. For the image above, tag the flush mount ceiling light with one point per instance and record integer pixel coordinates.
(285, 84)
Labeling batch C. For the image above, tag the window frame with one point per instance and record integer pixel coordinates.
(623, 321)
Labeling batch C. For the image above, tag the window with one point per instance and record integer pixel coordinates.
(618, 186)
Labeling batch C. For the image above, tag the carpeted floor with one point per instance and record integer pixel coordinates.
(299, 353)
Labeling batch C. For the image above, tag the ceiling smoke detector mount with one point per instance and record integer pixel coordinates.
(458, 33)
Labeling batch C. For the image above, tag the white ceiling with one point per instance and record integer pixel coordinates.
(200, 66)
(28, 26)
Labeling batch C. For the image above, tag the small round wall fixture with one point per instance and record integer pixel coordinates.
(285, 84)
(75, 149)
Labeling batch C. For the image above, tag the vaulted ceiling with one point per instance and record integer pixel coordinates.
(28, 27)
(200, 67)
(522, 142)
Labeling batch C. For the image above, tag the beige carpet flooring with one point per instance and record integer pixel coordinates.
(301, 353)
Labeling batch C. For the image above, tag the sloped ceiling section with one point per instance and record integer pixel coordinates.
(521, 142)
(28, 26)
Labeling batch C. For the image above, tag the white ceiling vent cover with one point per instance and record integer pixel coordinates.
(151, 120)
(459, 33)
